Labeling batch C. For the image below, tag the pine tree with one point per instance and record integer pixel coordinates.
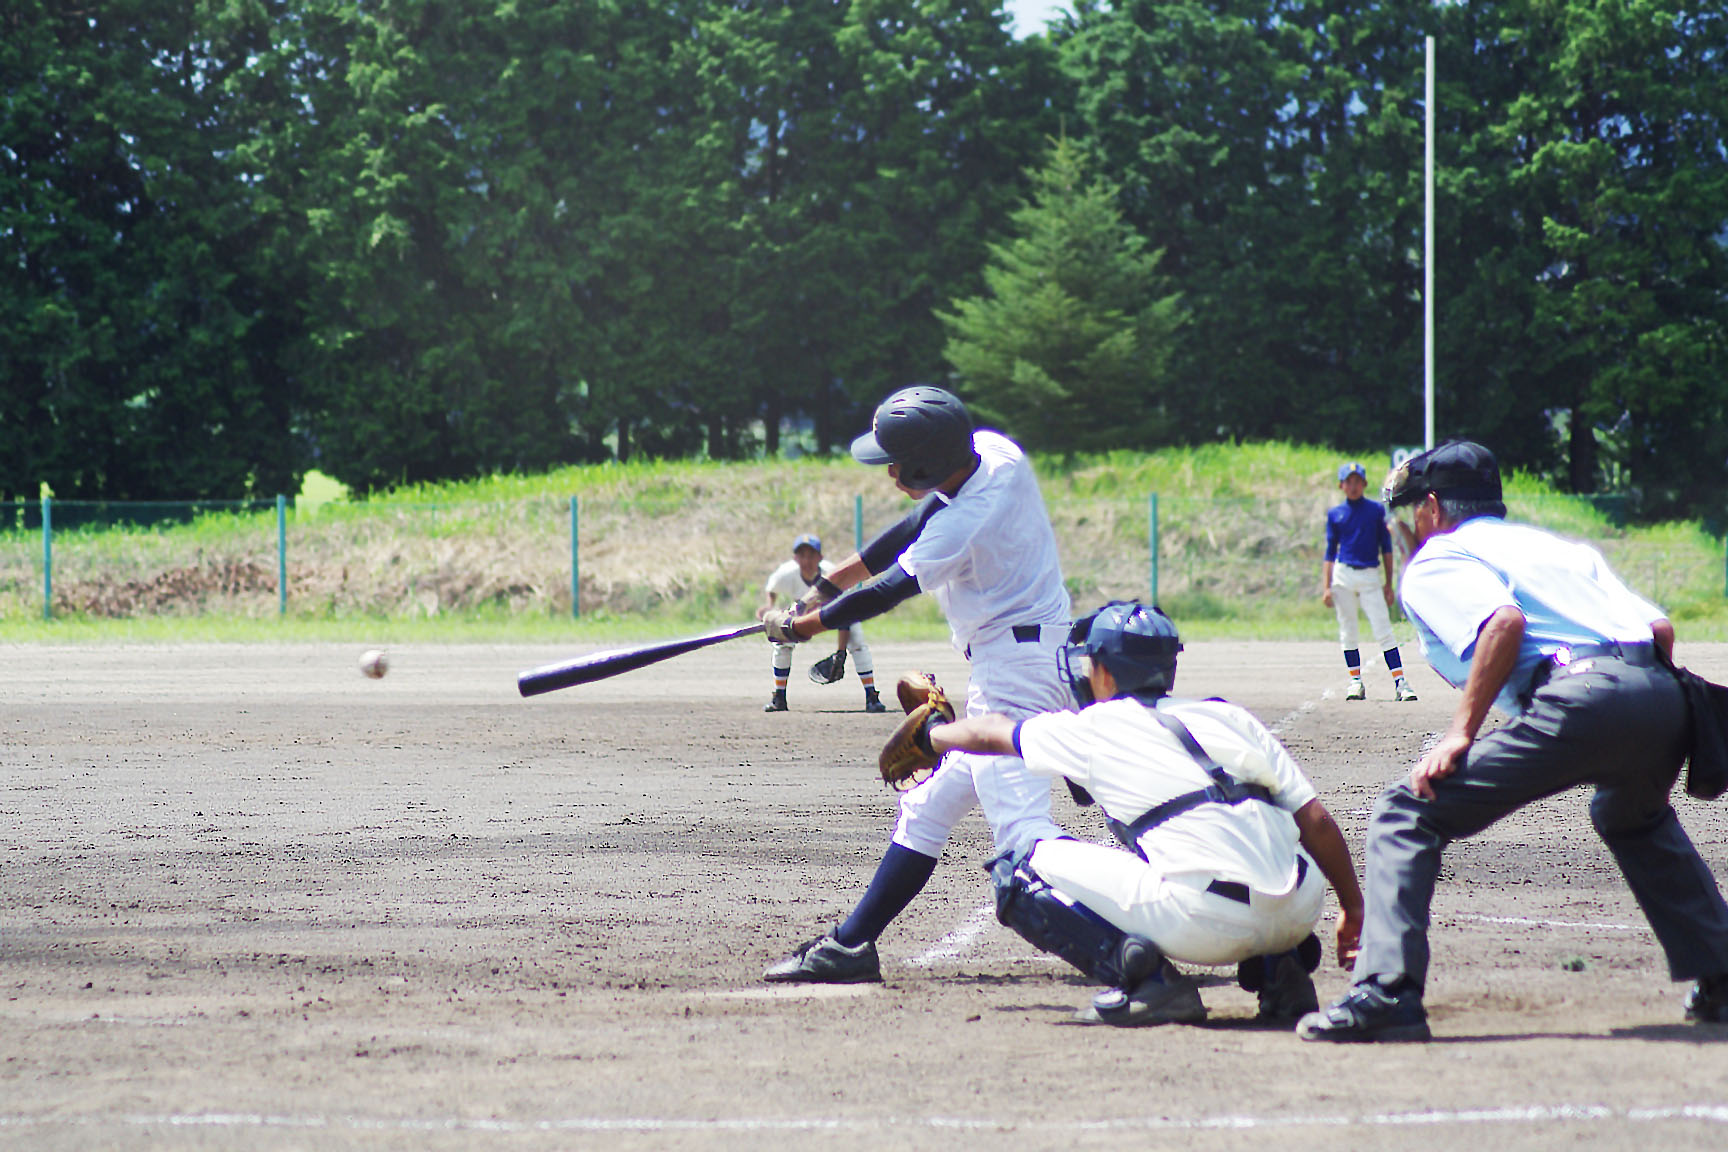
(1065, 349)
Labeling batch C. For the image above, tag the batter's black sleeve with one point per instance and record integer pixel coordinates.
(871, 598)
(886, 548)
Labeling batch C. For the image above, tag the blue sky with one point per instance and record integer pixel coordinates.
(1030, 15)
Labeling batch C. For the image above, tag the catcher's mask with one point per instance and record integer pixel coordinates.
(924, 430)
(1135, 643)
(1460, 469)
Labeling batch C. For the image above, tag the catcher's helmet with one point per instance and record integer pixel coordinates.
(1460, 469)
(1136, 644)
(925, 430)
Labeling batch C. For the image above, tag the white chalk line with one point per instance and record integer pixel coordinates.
(1529, 922)
(1537, 1114)
(958, 940)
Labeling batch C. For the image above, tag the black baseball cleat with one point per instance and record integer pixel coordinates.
(827, 961)
(776, 702)
(1369, 1012)
(1707, 1003)
(1164, 997)
(873, 702)
(1285, 988)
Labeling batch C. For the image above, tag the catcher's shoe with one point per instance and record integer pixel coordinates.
(1370, 1011)
(873, 702)
(1707, 1003)
(1165, 997)
(1358, 691)
(776, 702)
(827, 961)
(1403, 689)
(1286, 990)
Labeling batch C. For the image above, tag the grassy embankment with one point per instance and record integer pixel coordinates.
(671, 547)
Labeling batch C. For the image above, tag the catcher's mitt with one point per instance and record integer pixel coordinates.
(908, 756)
(830, 668)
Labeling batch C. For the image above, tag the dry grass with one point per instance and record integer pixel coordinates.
(1239, 537)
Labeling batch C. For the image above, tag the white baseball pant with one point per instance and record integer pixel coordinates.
(1364, 588)
(1177, 913)
(1017, 680)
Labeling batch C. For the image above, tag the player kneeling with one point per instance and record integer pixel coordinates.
(1226, 843)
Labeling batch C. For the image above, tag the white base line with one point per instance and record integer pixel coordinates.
(957, 941)
(1526, 922)
(1562, 1113)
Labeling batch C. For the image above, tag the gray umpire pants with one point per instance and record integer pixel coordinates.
(1599, 721)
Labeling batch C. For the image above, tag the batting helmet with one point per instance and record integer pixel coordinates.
(1137, 645)
(924, 430)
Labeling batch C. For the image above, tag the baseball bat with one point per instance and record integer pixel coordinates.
(603, 665)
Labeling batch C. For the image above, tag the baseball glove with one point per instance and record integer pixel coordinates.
(830, 668)
(908, 756)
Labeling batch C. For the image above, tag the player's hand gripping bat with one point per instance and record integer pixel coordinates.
(602, 665)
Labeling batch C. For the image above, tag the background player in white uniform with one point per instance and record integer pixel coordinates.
(787, 585)
(979, 541)
(1226, 840)
(1357, 571)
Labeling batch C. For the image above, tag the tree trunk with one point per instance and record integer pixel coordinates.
(771, 426)
(1581, 450)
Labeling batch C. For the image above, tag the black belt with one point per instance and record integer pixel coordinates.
(1234, 890)
(1639, 654)
(1023, 634)
(1362, 567)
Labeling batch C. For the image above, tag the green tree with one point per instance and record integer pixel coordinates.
(148, 314)
(1586, 273)
(1067, 348)
(1273, 151)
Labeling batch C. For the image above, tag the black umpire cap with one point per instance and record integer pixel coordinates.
(1459, 469)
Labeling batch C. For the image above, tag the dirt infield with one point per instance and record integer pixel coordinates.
(253, 900)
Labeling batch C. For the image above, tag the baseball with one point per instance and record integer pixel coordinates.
(374, 664)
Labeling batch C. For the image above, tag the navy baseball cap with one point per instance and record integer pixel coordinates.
(807, 540)
(1354, 468)
(1460, 469)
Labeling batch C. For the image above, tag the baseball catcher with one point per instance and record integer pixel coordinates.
(1217, 866)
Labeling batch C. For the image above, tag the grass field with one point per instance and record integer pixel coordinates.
(686, 544)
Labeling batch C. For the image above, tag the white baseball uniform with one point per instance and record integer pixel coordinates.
(989, 558)
(1220, 883)
(786, 584)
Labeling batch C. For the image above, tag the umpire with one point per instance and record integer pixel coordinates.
(1540, 628)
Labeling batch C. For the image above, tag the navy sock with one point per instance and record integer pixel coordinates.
(898, 880)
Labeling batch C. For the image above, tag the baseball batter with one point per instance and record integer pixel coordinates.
(1357, 571)
(1225, 839)
(790, 583)
(979, 541)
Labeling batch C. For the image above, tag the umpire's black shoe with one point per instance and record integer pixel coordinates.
(827, 961)
(776, 702)
(1707, 1003)
(873, 702)
(1369, 1012)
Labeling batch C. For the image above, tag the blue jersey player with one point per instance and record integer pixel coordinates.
(1358, 572)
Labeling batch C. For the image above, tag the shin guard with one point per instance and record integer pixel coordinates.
(1053, 923)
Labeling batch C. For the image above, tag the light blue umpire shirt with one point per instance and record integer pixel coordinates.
(1565, 589)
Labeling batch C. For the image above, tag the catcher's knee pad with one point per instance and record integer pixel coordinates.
(1057, 924)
